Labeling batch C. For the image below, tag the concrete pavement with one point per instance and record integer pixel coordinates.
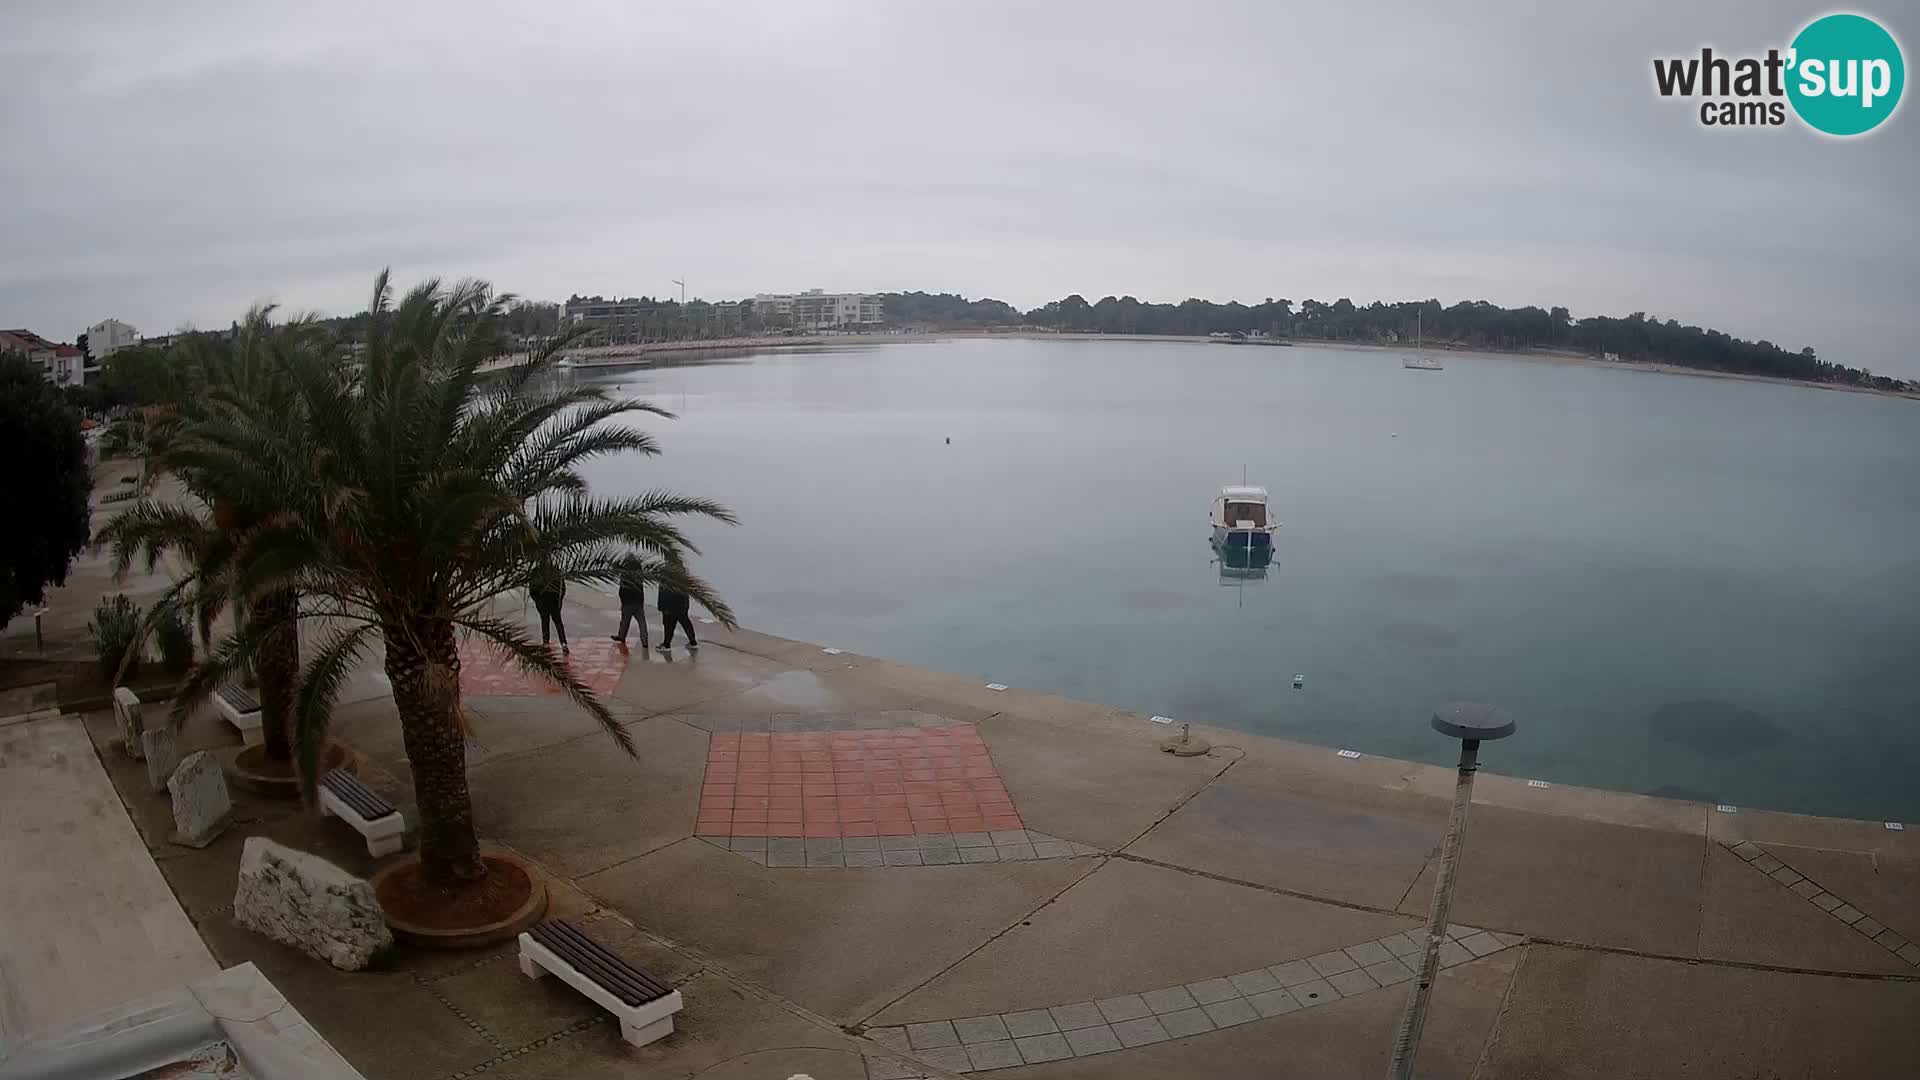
(1625, 933)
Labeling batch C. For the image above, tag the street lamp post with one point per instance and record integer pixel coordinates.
(1472, 724)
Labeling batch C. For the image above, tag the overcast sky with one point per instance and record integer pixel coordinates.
(170, 163)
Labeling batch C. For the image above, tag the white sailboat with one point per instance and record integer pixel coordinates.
(1418, 361)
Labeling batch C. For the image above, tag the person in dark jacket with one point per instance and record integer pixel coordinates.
(548, 590)
(673, 612)
(633, 605)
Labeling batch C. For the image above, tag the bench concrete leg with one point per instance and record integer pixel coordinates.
(641, 1036)
(385, 845)
(531, 969)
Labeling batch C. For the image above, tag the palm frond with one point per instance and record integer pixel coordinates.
(539, 660)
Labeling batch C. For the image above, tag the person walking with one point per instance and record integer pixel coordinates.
(633, 605)
(673, 612)
(548, 590)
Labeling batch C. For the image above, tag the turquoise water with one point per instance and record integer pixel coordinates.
(1697, 587)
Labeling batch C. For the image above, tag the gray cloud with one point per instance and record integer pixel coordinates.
(172, 163)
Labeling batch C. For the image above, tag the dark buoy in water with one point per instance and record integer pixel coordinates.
(949, 440)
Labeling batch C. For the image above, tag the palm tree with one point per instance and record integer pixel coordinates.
(435, 482)
(219, 380)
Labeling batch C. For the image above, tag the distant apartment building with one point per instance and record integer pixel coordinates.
(109, 336)
(817, 310)
(61, 365)
(620, 322)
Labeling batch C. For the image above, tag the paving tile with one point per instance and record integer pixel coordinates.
(1293, 972)
(908, 842)
(825, 858)
(1456, 931)
(1212, 990)
(1053, 849)
(1317, 992)
(973, 839)
(892, 1068)
(1404, 944)
(950, 1058)
(1332, 963)
(861, 843)
(1825, 901)
(1767, 864)
(1035, 1049)
(1092, 1040)
(1003, 837)
(1140, 1032)
(1014, 852)
(864, 858)
(902, 858)
(1805, 889)
(1848, 914)
(1124, 1007)
(979, 854)
(1747, 850)
(1911, 954)
(1186, 1022)
(1273, 1003)
(929, 841)
(1229, 1013)
(1030, 1022)
(1452, 953)
(748, 843)
(1868, 926)
(1786, 875)
(1368, 952)
(1257, 981)
(1889, 940)
(893, 1038)
(1388, 972)
(1507, 941)
(1480, 944)
(787, 858)
(981, 1029)
(759, 857)
(1069, 1017)
(825, 845)
(1172, 999)
(1350, 983)
(937, 1033)
(993, 1055)
(940, 857)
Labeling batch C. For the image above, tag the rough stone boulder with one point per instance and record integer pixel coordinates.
(309, 903)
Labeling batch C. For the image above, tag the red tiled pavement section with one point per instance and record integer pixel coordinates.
(853, 783)
(485, 671)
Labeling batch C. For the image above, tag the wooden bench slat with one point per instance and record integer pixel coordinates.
(620, 978)
(353, 791)
(647, 981)
(239, 698)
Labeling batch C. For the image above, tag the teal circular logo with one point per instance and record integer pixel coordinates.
(1846, 74)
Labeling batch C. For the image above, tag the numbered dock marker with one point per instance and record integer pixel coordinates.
(1725, 809)
(1538, 783)
(996, 686)
(1161, 719)
(833, 652)
(1895, 826)
(1349, 753)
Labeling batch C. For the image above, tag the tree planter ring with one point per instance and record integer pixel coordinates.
(250, 770)
(503, 928)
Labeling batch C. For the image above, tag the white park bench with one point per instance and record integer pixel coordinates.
(345, 796)
(643, 1003)
(241, 709)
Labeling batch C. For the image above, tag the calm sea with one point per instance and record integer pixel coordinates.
(1694, 587)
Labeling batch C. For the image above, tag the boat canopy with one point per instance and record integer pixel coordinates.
(1241, 493)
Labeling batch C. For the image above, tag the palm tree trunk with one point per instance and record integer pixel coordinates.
(423, 664)
(277, 663)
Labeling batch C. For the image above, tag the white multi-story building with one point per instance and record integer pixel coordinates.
(109, 336)
(817, 310)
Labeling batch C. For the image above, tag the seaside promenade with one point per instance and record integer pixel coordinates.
(853, 868)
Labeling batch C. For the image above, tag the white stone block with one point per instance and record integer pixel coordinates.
(126, 709)
(307, 902)
(201, 805)
(162, 750)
